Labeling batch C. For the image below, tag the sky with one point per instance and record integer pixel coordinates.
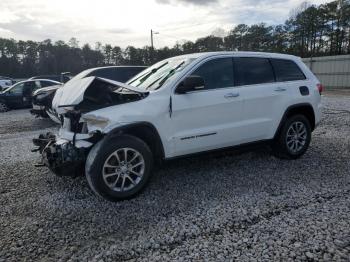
(128, 22)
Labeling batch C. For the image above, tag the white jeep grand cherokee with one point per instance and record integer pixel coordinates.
(115, 132)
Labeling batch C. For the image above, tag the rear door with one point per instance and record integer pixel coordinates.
(264, 98)
(208, 118)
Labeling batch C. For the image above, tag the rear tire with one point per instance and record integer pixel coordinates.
(118, 168)
(293, 139)
(3, 107)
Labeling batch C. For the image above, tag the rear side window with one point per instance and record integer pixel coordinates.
(217, 73)
(286, 70)
(253, 70)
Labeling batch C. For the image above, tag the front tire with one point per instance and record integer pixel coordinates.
(293, 139)
(119, 168)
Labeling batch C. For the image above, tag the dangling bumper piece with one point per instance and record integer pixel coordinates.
(61, 156)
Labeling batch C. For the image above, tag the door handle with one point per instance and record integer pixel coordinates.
(231, 95)
(280, 89)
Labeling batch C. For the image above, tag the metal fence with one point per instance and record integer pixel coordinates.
(332, 71)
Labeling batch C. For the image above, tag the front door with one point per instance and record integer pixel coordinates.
(208, 118)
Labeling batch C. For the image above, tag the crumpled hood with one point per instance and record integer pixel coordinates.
(72, 93)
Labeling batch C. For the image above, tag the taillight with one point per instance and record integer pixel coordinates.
(320, 88)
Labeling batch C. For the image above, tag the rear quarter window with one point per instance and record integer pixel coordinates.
(286, 70)
(253, 70)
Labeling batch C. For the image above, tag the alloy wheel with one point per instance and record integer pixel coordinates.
(296, 136)
(123, 169)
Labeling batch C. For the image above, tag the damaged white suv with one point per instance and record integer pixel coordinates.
(115, 132)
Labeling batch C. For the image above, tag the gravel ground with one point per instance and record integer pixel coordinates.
(227, 206)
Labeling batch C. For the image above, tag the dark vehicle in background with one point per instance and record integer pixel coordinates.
(42, 98)
(20, 94)
(63, 77)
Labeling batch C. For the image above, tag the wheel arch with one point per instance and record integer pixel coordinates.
(144, 131)
(304, 109)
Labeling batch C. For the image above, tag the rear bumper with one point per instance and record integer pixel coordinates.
(61, 156)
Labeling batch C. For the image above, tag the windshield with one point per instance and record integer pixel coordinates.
(155, 76)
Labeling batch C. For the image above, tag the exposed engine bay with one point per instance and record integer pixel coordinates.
(101, 93)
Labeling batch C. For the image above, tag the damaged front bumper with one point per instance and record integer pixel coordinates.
(63, 157)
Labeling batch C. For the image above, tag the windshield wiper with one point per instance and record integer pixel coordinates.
(171, 72)
(147, 75)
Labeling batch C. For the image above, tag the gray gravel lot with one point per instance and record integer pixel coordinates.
(227, 206)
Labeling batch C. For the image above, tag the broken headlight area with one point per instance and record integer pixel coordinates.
(61, 156)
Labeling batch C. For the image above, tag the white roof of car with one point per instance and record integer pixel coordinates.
(239, 53)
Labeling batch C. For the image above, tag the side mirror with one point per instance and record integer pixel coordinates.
(190, 83)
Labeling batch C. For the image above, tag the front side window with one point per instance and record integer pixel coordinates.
(253, 70)
(216, 73)
(286, 70)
